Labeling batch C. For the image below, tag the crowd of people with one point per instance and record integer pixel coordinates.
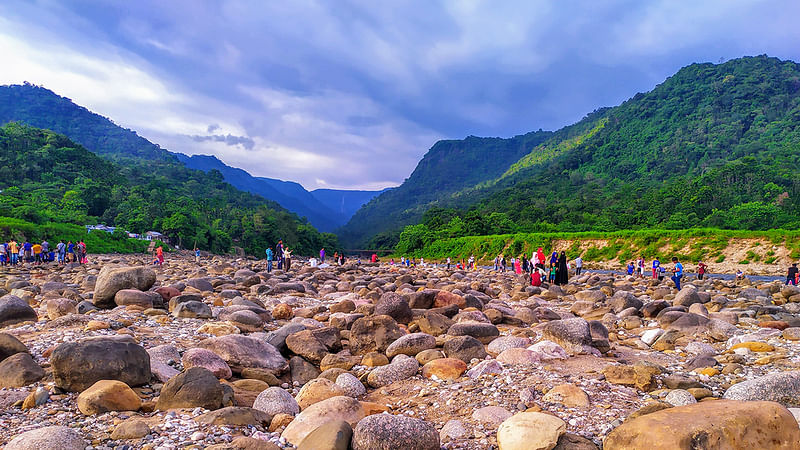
(14, 253)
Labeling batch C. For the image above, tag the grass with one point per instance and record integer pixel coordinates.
(690, 245)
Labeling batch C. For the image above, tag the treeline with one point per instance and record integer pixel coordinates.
(46, 178)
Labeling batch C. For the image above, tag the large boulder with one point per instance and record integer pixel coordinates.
(411, 344)
(400, 368)
(465, 348)
(78, 365)
(200, 357)
(10, 345)
(334, 435)
(114, 279)
(19, 370)
(389, 432)
(15, 310)
(108, 395)
(54, 437)
(781, 387)
(275, 400)
(530, 431)
(195, 387)
(484, 332)
(573, 335)
(335, 408)
(135, 297)
(705, 425)
(394, 306)
(242, 352)
(687, 296)
(373, 333)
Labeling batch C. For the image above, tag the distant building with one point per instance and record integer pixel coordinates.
(107, 229)
(155, 236)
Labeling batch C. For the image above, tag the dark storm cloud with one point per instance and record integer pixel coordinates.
(352, 93)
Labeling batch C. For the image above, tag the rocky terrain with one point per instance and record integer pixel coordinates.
(222, 355)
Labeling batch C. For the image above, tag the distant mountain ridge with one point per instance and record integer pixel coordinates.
(42, 108)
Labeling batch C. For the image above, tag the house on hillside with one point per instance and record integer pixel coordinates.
(100, 227)
(156, 236)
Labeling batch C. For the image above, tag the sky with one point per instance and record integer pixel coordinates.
(351, 94)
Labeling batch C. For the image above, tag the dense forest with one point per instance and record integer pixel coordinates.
(48, 179)
(712, 146)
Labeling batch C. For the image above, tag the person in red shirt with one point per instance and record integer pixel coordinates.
(701, 269)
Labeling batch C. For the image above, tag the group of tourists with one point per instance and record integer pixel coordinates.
(282, 255)
(13, 253)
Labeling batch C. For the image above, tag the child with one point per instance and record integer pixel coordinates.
(552, 277)
(630, 268)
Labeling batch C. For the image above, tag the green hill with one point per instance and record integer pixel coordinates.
(48, 180)
(713, 146)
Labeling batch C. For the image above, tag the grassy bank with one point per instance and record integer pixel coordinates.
(705, 244)
(96, 241)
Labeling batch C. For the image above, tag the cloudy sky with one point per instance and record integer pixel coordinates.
(350, 94)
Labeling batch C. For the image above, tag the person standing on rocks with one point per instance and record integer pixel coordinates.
(269, 259)
(71, 251)
(61, 247)
(37, 254)
(701, 269)
(448, 263)
(279, 253)
(578, 265)
(197, 255)
(791, 276)
(677, 272)
(322, 255)
(562, 271)
(656, 267)
(45, 250)
(287, 259)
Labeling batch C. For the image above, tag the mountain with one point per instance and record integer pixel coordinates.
(345, 202)
(43, 108)
(713, 145)
(447, 168)
(48, 179)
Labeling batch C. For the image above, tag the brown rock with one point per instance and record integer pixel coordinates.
(108, 395)
(444, 368)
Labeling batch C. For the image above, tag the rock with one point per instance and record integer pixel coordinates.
(650, 336)
(337, 408)
(242, 352)
(687, 296)
(194, 387)
(546, 350)
(59, 307)
(639, 375)
(236, 416)
(278, 337)
(680, 397)
(351, 386)
(484, 332)
(333, 435)
(282, 312)
(434, 323)
(311, 344)
(465, 348)
(445, 298)
(424, 299)
(373, 333)
(201, 284)
(218, 329)
(10, 345)
(591, 296)
(388, 432)
(317, 390)
(301, 370)
(530, 431)
(394, 306)
(19, 370)
(502, 343)
(491, 415)
(781, 387)
(569, 441)
(342, 360)
(690, 323)
(200, 357)
(135, 297)
(192, 310)
(411, 344)
(716, 424)
(108, 395)
(622, 300)
(55, 437)
(444, 368)
(275, 400)
(485, 368)
(15, 310)
(515, 356)
(400, 368)
(568, 395)
(452, 430)
(114, 279)
(571, 334)
(78, 365)
(134, 428)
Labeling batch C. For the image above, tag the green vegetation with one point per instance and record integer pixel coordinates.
(688, 245)
(47, 180)
(96, 241)
(706, 148)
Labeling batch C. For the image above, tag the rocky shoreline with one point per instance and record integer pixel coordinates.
(119, 354)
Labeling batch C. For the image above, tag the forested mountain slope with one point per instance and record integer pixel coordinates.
(713, 145)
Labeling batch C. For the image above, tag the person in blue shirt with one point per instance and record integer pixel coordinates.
(677, 273)
(269, 260)
(630, 268)
(656, 265)
(197, 255)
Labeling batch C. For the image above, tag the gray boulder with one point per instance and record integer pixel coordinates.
(114, 279)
